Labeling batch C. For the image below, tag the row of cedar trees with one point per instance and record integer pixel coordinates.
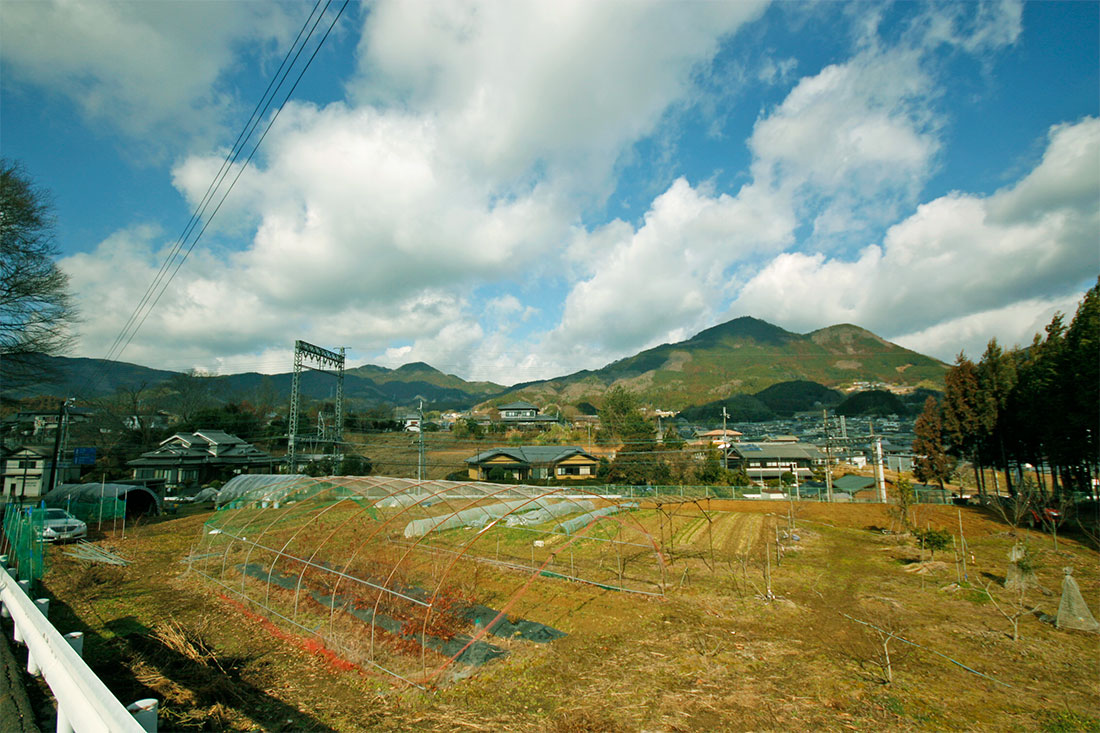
(1035, 406)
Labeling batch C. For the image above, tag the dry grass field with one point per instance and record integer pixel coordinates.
(717, 652)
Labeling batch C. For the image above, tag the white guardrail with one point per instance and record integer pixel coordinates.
(83, 702)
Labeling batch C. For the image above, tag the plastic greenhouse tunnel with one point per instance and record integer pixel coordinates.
(423, 580)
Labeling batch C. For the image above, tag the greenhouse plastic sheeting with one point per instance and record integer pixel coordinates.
(391, 585)
(264, 487)
(476, 517)
(546, 513)
(572, 525)
(97, 502)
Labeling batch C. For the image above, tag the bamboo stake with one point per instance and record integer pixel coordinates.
(962, 540)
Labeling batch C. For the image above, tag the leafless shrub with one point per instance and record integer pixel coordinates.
(876, 646)
(1014, 609)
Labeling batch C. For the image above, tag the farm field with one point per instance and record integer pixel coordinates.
(716, 652)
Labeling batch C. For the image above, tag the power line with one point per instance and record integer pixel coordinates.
(231, 157)
(178, 255)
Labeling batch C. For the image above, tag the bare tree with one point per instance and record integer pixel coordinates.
(36, 310)
(1016, 609)
(188, 393)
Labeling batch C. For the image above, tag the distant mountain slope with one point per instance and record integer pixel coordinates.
(85, 378)
(743, 356)
(419, 372)
(363, 386)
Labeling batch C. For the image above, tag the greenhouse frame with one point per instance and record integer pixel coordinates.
(424, 580)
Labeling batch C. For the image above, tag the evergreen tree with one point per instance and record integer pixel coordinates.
(996, 380)
(1079, 369)
(619, 404)
(962, 428)
(672, 439)
(932, 462)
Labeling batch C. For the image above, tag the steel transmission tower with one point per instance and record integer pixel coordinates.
(306, 354)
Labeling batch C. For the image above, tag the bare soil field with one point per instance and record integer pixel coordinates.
(717, 652)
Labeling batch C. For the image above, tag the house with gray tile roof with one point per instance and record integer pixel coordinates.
(524, 415)
(527, 462)
(762, 461)
(199, 457)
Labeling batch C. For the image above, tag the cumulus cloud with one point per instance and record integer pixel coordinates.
(142, 67)
(956, 256)
(667, 277)
(851, 144)
(427, 216)
(563, 85)
(847, 145)
(1013, 325)
(845, 152)
(476, 136)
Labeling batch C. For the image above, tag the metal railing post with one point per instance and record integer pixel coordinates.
(81, 696)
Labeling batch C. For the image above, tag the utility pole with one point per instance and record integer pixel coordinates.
(56, 451)
(880, 476)
(420, 449)
(725, 441)
(828, 459)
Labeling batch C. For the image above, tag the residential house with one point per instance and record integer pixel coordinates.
(196, 458)
(154, 421)
(524, 415)
(712, 440)
(26, 473)
(522, 463)
(763, 461)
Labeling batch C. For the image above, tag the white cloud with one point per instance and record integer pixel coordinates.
(427, 217)
(977, 27)
(652, 284)
(851, 144)
(957, 256)
(1012, 325)
(143, 67)
(360, 208)
(563, 85)
(477, 137)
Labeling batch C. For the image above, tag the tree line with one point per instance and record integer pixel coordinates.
(1029, 413)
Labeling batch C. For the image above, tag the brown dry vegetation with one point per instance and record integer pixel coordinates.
(712, 655)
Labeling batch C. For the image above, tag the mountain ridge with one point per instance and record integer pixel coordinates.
(742, 356)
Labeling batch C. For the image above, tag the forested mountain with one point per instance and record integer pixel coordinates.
(787, 372)
(744, 356)
(364, 386)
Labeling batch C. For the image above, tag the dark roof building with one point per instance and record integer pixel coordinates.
(524, 414)
(193, 458)
(564, 462)
(763, 461)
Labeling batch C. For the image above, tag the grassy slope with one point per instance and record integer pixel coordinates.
(711, 656)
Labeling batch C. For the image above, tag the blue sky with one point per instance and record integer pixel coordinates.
(512, 191)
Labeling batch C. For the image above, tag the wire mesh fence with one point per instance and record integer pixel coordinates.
(23, 542)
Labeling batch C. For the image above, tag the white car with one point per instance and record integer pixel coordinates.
(60, 525)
